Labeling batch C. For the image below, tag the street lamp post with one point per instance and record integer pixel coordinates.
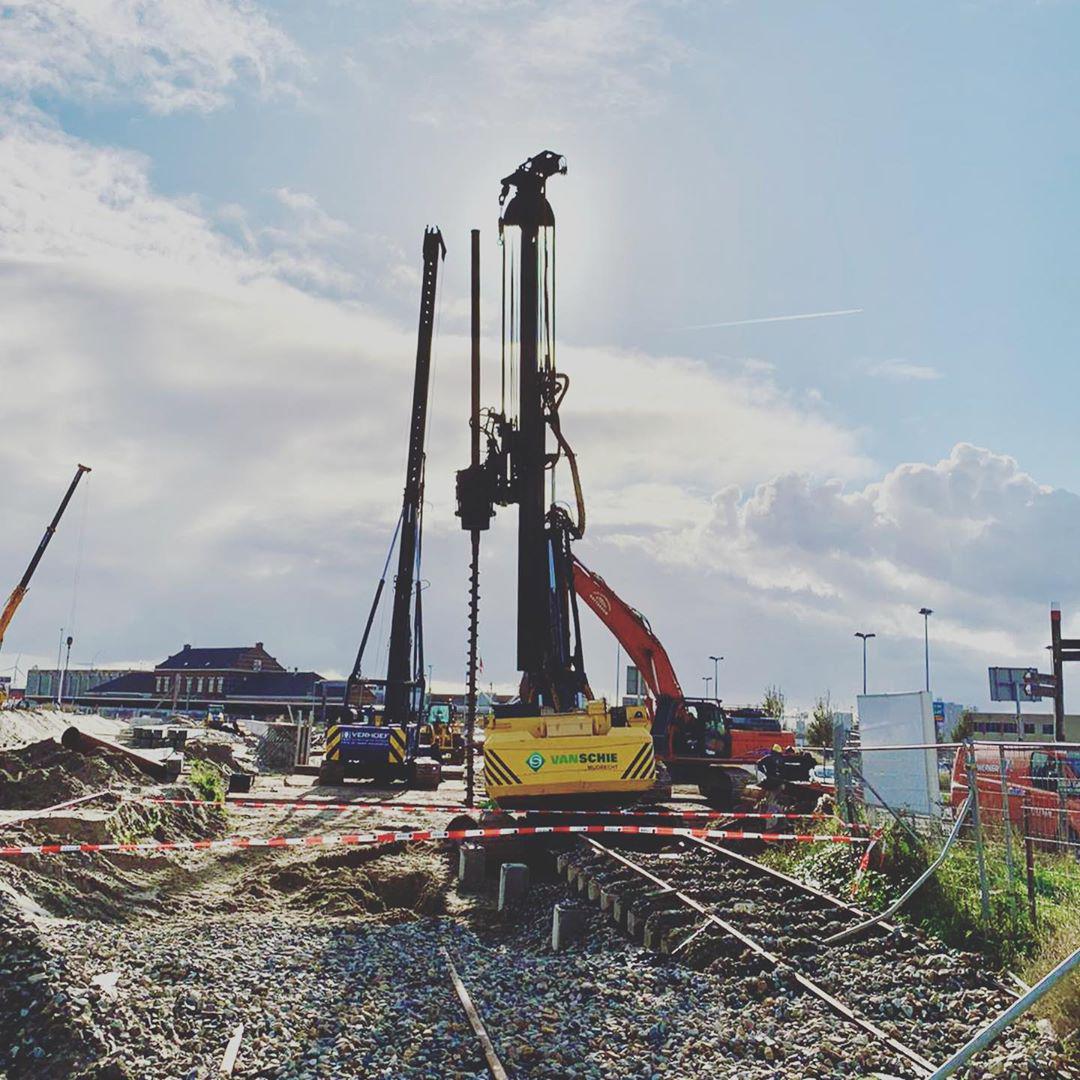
(706, 679)
(716, 676)
(865, 638)
(926, 612)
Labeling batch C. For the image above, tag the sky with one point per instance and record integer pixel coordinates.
(211, 214)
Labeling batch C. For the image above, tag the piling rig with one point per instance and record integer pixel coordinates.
(396, 742)
(555, 742)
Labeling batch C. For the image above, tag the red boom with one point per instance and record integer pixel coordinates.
(632, 630)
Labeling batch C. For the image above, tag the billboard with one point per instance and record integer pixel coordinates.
(904, 779)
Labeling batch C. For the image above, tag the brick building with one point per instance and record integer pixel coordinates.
(245, 679)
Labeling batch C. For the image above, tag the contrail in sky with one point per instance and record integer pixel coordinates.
(774, 318)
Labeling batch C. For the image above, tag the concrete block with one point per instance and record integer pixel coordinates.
(472, 865)
(635, 923)
(618, 910)
(562, 861)
(513, 881)
(583, 880)
(568, 923)
(607, 899)
(594, 890)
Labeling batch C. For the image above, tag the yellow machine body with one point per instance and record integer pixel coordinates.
(560, 755)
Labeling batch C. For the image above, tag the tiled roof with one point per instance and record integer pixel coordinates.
(134, 682)
(272, 684)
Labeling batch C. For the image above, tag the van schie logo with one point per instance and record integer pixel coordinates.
(535, 760)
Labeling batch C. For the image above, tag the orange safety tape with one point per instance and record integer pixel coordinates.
(417, 835)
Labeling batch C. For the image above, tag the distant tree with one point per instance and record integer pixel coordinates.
(773, 705)
(964, 727)
(819, 732)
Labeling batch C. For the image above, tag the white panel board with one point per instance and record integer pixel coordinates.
(905, 779)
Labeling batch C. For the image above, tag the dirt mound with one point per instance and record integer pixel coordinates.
(45, 773)
(361, 885)
(222, 754)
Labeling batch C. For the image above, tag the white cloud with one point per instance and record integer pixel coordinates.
(247, 436)
(903, 370)
(167, 54)
(611, 56)
(972, 536)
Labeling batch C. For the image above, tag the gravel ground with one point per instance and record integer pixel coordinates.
(331, 958)
(373, 999)
(927, 996)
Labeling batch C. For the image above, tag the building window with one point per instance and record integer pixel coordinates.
(199, 687)
(256, 665)
(189, 684)
(1029, 729)
(157, 684)
(221, 684)
(1048, 729)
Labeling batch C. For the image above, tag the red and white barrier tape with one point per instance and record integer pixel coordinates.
(664, 811)
(315, 805)
(416, 835)
(310, 804)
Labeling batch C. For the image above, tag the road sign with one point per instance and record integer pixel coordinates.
(1038, 685)
(1012, 684)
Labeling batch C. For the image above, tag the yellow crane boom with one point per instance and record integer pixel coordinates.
(17, 594)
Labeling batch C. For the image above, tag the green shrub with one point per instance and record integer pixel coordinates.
(206, 778)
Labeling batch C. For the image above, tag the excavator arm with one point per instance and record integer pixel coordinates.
(632, 630)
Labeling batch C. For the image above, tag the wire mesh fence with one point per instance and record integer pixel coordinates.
(1018, 849)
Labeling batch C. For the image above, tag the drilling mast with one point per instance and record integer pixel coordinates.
(555, 741)
(404, 670)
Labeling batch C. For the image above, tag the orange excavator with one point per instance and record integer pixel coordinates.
(697, 741)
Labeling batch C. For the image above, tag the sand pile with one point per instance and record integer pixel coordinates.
(46, 773)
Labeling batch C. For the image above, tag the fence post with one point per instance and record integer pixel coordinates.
(973, 790)
(1029, 861)
(841, 776)
(1006, 821)
(1063, 809)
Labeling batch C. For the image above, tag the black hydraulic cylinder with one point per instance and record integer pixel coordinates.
(530, 211)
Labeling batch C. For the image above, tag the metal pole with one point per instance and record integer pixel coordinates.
(865, 639)
(1059, 683)
(716, 677)
(1029, 865)
(67, 665)
(926, 612)
(1013, 1012)
(973, 788)
(474, 566)
(59, 680)
(706, 680)
(1006, 814)
(926, 648)
(618, 665)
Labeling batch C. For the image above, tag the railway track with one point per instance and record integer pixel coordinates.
(718, 910)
